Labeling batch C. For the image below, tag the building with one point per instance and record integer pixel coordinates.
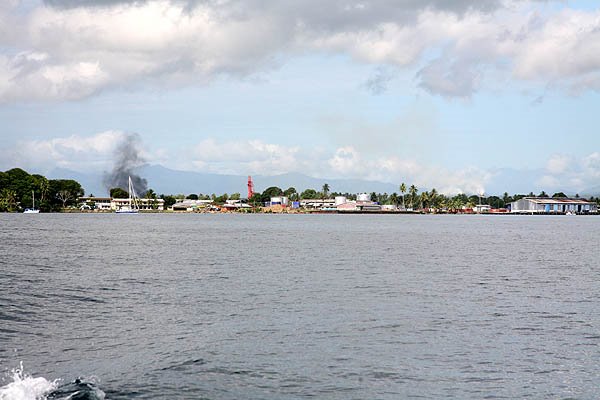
(482, 208)
(95, 203)
(144, 204)
(279, 201)
(190, 205)
(553, 205)
(109, 204)
(317, 203)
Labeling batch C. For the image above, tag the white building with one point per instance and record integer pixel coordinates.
(482, 208)
(553, 205)
(144, 204)
(317, 203)
(279, 201)
(190, 205)
(95, 203)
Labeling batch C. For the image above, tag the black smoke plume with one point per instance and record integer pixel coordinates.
(127, 158)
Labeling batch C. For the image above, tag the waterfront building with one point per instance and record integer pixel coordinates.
(94, 203)
(482, 209)
(317, 203)
(144, 204)
(279, 201)
(553, 205)
(190, 205)
(110, 204)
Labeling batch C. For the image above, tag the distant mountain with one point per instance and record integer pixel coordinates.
(90, 181)
(168, 181)
(515, 181)
(594, 191)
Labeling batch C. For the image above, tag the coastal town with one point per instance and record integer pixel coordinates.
(19, 191)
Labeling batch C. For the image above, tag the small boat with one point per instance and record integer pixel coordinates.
(32, 210)
(133, 206)
(571, 213)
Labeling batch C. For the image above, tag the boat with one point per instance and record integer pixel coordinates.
(133, 205)
(32, 210)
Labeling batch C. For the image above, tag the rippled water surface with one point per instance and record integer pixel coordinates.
(294, 306)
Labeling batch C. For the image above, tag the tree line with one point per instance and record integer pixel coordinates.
(17, 187)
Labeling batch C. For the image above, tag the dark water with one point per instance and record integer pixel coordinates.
(290, 307)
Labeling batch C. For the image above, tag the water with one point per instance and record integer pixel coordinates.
(295, 306)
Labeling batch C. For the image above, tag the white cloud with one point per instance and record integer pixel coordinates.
(568, 173)
(75, 152)
(247, 156)
(73, 51)
(558, 163)
(257, 157)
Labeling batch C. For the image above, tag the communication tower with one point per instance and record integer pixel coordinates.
(250, 187)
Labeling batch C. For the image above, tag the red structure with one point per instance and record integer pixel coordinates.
(250, 187)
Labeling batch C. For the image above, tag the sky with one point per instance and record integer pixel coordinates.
(436, 93)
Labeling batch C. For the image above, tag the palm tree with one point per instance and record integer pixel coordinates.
(403, 190)
(424, 199)
(433, 197)
(413, 195)
(325, 190)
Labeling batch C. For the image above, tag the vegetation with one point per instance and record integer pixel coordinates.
(17, 186)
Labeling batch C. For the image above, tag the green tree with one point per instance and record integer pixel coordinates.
(403, 190)
(325, 190)
(150, 194)
(169, 200)
(222, 198)
(309, 194)
(558, 195)
(235, 196)
(290, 193)
(269, 192)
(433, 198)
(256, 200)
(542, 194)
(66, 191)
(118, 193)
(413, 195)
(8, 200)
(192, 196)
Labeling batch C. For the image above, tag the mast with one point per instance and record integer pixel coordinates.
(130, 189)
(33, 197)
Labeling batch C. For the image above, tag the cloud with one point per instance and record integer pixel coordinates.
(258, 157)
(75, 152)
(244, 157)
(71, 49)
(565, 172)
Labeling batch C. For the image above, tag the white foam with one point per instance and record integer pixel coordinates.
(26, 387)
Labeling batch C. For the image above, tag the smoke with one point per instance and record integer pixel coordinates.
(127, 158)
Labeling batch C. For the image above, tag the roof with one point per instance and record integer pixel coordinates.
(557, 200)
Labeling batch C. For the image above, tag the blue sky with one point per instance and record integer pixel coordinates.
(437, 93)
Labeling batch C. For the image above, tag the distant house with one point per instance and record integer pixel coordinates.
(482, 208)
(279, 201)
(553, 205)
(94, 203)
(190, 205)
(144, 204)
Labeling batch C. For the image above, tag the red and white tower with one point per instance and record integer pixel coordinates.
(250, 187)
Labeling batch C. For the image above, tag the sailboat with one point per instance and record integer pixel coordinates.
(32, 210)
(133, 206)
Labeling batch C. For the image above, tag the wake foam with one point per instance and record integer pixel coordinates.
(26, 387)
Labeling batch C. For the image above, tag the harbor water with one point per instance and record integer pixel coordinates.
(199, 306)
